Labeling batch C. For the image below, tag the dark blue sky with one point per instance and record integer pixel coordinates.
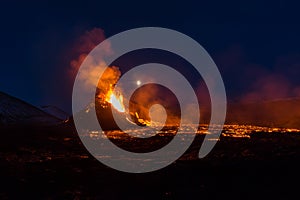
(254, 43)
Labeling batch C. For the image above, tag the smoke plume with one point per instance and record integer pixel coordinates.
(86, 43)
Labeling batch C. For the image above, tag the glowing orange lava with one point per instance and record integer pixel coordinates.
(116, 100)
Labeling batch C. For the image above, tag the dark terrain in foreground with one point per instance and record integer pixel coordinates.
(51, 163)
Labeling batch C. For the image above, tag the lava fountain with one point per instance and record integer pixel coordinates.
(116, 100)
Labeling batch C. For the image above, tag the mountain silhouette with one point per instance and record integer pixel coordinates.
(15, 111)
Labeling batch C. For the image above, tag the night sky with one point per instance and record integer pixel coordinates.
(255, 44)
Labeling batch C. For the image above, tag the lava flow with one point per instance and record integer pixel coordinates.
(116, 100)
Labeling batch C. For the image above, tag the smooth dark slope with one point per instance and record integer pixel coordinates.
(55, 111)
(15, 111)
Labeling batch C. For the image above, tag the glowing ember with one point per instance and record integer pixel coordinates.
(116, 100)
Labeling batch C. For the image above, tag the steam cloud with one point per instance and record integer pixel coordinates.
(269, 96)
(86, 43)
(258, 82)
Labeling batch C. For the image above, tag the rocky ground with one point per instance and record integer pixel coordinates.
(51, 163)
